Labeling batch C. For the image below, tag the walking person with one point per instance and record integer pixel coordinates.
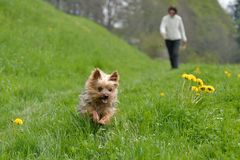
(173, 32)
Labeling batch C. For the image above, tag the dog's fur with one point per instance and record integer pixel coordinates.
(99, 99)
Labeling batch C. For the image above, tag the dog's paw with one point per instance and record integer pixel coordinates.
(102, 122)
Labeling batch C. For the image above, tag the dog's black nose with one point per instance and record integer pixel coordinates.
(105, 97)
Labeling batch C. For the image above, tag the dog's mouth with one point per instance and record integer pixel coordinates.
(104, 99)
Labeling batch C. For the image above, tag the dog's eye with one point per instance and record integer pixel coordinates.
(110, 89)
(100, 89)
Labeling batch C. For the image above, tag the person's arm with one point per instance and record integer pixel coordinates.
(163, 28)
(182, 31)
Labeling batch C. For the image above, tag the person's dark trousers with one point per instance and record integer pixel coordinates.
(173, 49)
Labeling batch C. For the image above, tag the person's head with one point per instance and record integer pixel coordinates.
(172, 11)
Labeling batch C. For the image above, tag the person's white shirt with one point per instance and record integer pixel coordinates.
(172, 28)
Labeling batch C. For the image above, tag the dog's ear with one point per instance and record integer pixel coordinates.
(114, 77)
(96, 74)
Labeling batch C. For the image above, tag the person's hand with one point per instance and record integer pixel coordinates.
(163, 35)
(184, 45)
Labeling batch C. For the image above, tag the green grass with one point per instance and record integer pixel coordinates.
(45, 58)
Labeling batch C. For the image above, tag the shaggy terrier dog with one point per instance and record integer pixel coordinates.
(99, 99)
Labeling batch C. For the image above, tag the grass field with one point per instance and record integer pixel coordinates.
(45, 58)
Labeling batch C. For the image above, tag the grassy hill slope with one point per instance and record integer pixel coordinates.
(45, 58)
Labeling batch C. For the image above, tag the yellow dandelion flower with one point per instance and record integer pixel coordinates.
(203, 88)
(197, 70)
(195, 89)
(162, 94)
(238, 75)
(210, 89)
(188, 77)
(228, 74)
(200, 82)
(18, 121)
(185, 76)
(192, 77)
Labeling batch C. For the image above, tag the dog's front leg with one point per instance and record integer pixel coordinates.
(95, 116)
(105, 119)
